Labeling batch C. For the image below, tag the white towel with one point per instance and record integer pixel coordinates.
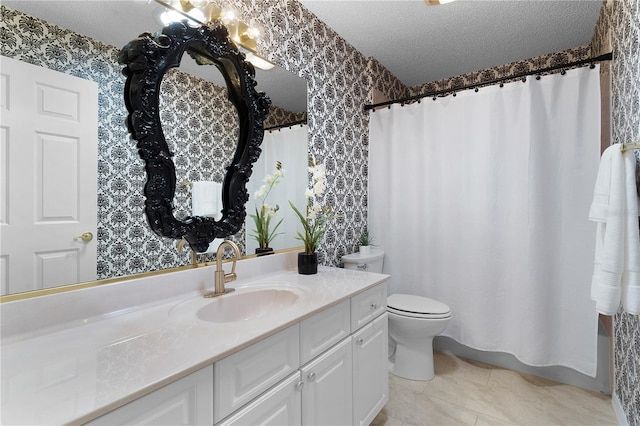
(206, 199)
(616, 276)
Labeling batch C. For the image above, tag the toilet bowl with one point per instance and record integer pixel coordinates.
(413, 323)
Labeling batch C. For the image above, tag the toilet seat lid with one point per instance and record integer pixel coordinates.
(412, 305)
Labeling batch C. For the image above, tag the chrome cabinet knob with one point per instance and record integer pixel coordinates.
(360, 341)
(374, 305)
(311, 376)
(299, 385)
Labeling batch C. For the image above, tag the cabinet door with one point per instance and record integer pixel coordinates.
(279, 406)
(327, 391)
(370, 371)
(188, 401)
(244, 375)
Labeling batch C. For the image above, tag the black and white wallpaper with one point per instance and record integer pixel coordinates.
(619, 24)
(340, 81)
(208, 130)
(506, 70)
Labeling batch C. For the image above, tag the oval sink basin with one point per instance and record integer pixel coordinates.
(247, 304)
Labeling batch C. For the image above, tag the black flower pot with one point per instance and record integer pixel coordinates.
(307, 263)
(264, 251)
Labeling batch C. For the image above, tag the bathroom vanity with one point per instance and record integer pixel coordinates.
(282, 349)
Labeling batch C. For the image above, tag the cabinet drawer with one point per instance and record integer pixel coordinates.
(244, 375)
(368, 305)
(279, 406)
(323, 330)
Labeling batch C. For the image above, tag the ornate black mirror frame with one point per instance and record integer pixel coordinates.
(146, 60)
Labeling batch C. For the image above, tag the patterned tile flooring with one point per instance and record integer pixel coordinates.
(466, 392)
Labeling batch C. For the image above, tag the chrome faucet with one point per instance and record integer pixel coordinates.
(220, 277)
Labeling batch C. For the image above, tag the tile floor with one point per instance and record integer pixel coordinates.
(466, 392)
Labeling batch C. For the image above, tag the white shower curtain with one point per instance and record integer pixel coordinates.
(289, 146)
(481, 201)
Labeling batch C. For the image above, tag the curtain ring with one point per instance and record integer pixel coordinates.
(419, 100)
(592, 66)
(434, 98)
(524, 79)
(454, 94)
(476, 90)
(563, 72)
(538, 77)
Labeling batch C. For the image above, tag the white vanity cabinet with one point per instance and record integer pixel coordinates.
(327, 391)
(328, 369)
(343, 378)
(281, 405)
(184, 402)
(244, 375)
(370, 378)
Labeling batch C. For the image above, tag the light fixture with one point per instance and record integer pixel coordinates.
(437, 2)
(200, 12)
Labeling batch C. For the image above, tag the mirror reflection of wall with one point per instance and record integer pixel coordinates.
(125, 244)
(287, 145)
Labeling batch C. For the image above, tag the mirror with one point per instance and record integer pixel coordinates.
(125, 245)
(146, 61)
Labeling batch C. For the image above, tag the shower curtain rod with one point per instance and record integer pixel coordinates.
(601, 58)
(282, 126)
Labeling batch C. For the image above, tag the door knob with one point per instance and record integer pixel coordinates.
(86, 237)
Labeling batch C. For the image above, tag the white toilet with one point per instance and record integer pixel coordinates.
(413, 323)
(371, 262)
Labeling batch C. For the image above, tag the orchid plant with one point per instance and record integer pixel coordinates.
(265, 213)
(316, 215)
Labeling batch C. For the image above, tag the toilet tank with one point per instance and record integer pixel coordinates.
(371, 262)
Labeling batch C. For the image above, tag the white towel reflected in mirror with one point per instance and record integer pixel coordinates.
(206, 200)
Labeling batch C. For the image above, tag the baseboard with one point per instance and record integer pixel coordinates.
(617, 409)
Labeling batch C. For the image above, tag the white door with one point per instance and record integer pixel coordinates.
(48, 181)
(327, 391)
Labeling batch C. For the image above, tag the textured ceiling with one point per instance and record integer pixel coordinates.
(420, 43)
(416, 42)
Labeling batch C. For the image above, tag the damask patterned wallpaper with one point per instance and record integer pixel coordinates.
(619, 24)
(339, 83)
(339, 80)
(514, 68)
(125, 243)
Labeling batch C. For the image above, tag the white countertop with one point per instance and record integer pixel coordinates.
(80, 368)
